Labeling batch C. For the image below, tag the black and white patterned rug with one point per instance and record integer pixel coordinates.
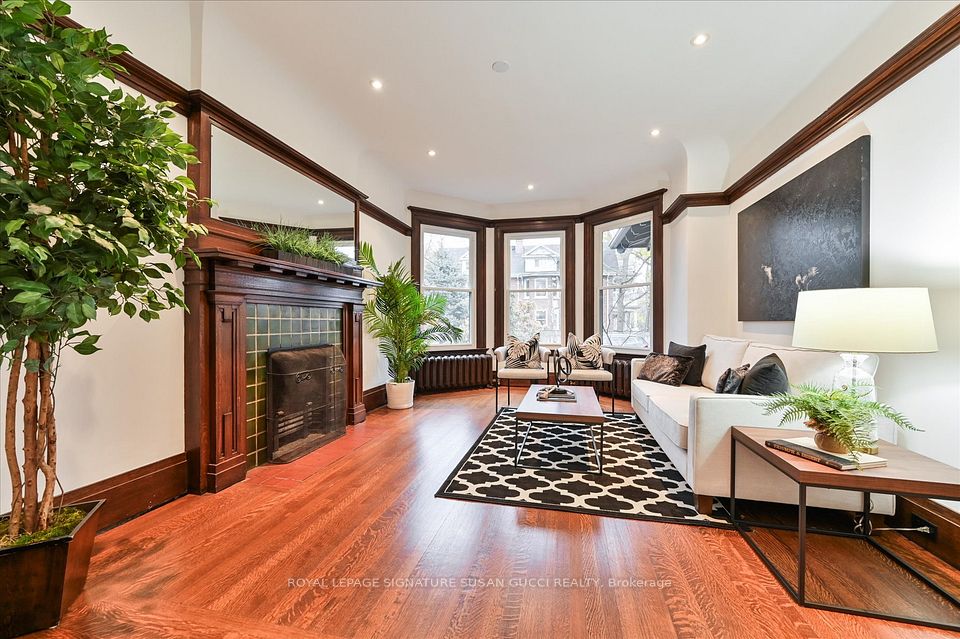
(639, 481)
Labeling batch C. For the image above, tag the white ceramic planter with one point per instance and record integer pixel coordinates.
(400, 395)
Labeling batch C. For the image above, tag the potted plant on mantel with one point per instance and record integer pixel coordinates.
(303, 246)
(90, 217)
(841, 417)
(405, 321)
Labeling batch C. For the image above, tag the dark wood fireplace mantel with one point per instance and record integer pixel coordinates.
(217, 294)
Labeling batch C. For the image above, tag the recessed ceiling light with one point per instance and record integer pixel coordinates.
(432, 153)
(320, 202)
(500, 66)
(376, 84)
(700, 39)
(529, 187)
(654, 133)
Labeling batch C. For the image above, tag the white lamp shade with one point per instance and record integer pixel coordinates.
(865, 320)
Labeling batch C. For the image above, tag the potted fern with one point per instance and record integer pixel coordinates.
(841, 417)
(405, 321)
(91, 220)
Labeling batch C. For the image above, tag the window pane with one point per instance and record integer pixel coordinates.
(625, 317)
(627, 255)
(446, 261)
(458, 312)
(534, 257)
(530, 312)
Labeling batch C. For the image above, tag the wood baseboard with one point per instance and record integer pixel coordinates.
(946, 544)
(375, 397)
(136, 491)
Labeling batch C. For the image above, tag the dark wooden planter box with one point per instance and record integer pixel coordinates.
(40, 581)
(312, 262)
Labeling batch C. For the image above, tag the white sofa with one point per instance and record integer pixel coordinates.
(692, 425)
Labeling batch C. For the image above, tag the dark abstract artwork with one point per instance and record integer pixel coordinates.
(811, 233)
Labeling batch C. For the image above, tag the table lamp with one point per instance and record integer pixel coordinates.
(859, 321)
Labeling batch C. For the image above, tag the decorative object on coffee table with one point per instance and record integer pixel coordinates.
(842, 418)
(858, 321)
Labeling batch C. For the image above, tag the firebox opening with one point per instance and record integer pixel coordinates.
(306, 400)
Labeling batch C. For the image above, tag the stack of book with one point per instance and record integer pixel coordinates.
(556, 394)
(806, 447)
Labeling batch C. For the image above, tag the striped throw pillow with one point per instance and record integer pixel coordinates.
(585, 354)
(523, 354)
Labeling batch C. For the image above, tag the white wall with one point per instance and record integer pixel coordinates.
(914, 235)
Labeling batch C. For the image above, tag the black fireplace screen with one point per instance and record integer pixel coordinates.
(306, 400)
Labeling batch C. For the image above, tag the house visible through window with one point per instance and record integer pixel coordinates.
(447, 269)
(535, 286)
(625, 287)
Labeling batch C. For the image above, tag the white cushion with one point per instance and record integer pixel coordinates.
(643, 390)
(589, 375)
(522, 373)
(670, 415)
(722, 353)
(803, 366)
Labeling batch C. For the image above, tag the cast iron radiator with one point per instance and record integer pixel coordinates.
(621, 379)
(453, 372)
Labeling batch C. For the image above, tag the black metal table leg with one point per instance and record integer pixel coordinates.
(802, 554)
(601, 448)
(733, 481)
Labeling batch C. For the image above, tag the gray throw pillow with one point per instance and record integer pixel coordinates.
(766, 377)
(731, 380)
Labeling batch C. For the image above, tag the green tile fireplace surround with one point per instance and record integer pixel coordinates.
(279, 326)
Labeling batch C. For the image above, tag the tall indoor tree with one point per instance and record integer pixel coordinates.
(91, 217)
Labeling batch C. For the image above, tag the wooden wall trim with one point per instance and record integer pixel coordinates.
(372, 210)
(940, 38)
(136, 491)
(936, 41)
(625, 208)
(418, 218)
(374, 398)
(693, 200)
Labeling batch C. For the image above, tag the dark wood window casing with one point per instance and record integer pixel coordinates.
(648, 203)
(566, 225)
(420, 217)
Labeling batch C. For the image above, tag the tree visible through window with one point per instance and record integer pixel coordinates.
(535, 289)
(447, 269)
(626, 286)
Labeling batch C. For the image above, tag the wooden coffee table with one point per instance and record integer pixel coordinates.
(584, 412)
(906, 473)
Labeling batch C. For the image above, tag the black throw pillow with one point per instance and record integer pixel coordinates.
(699, 355)
(729, 383)
(665, 369)
(766, 377)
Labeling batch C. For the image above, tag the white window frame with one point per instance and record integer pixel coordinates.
(599, 286)
(507, 275)
(471, 237)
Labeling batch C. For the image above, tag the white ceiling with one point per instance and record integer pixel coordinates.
(587, 82)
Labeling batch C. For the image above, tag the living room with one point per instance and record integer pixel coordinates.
(480, 319)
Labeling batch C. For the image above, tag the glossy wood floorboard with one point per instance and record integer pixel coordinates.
(379, 556)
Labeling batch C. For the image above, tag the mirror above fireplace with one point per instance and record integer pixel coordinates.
(252, 189)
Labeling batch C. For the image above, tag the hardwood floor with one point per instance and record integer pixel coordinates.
(286, 553)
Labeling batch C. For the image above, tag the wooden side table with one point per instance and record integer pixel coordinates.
(906, 473)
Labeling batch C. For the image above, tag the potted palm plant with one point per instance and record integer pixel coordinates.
(841, 417)
(405, 321)
(91, 219)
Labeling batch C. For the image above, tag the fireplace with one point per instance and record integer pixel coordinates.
(306, 400)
